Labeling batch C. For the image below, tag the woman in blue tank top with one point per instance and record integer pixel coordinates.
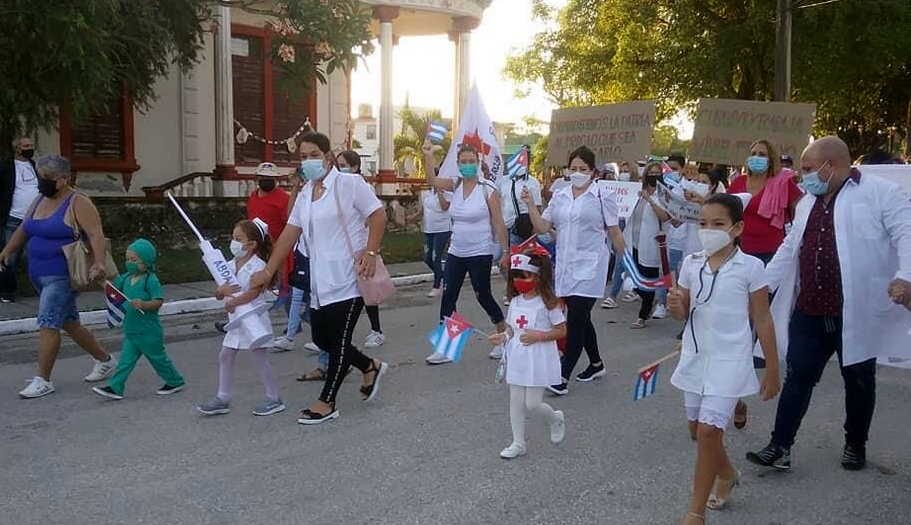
(47, 229)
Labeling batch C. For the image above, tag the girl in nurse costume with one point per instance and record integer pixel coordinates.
(535, 322)
(720, 290)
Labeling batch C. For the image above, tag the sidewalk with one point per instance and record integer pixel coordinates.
(19, 317)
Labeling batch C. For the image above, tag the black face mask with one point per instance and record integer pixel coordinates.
(267, 185)
(651, 182)
(47, 187)
(27, 153)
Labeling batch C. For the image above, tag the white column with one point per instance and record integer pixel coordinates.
(464, 66)
(386, 14)
(456, 100)
(224, 95)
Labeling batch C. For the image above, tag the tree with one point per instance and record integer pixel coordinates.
(666, 141)
(538, 156)
(407, 144)
(852, 58)
(80, 53)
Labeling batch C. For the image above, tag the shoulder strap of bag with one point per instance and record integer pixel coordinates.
(515, 201)
(71, 210)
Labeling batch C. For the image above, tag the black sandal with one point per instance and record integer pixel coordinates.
(310, 417)
(317, 374)
(370, 391)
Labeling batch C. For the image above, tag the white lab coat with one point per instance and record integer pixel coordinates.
(873, 235)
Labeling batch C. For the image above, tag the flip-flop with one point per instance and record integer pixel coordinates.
(740, 415)
(314, 375)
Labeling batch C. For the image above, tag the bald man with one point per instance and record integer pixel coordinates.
(851, 236)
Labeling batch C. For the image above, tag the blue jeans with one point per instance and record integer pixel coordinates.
(676, 259)
(434, 249)
(8, 275)
(56, 301)
(478, 269)
(812, 341)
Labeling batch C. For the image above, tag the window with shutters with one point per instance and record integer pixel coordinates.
(102, 141)
(262, 109)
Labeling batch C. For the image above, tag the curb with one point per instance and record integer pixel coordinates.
(184, 306)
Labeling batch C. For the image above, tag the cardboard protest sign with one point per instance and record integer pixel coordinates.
(627, 195)
(725, 129)
(674, 203)
(897, 173)
(614, 132)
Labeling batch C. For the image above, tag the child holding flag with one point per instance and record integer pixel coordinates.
(142, 332)
(535, 323)
(721, 290)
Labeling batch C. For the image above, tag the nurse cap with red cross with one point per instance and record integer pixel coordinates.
(522, 262)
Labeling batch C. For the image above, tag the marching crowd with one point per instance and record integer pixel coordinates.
(786, 264)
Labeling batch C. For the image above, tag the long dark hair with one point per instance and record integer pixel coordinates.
(353, 160)
(545, 281)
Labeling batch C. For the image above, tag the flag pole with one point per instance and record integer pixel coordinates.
(185, 217)
(663, 359)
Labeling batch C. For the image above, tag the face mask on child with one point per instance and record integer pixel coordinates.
(714, 240)
(132, 267)
(237, 249)
(524, 285)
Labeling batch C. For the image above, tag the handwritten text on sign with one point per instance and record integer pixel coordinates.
(725, 129)
(674, 203)
(614, 132)
(627, 194)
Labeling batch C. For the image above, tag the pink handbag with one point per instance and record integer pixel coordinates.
(377, 289)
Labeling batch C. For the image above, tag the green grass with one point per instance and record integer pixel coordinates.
(184, 265)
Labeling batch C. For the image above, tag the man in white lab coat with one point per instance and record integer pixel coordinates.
(851, 237)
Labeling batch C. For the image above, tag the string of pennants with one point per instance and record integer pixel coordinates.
(243, 135)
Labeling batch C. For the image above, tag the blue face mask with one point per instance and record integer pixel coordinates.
(312, 169)
(468, 171)
(814, 185)
(346, 170)
(757, 164)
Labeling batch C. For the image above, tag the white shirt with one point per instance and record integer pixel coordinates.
(873, 236)
(239, 338)
(333, 277)
(472, 234)
(646, 245)
(506, 197)
(717, 355)
(581, 226)
(436, 219)
(559, 184)
(26, 189)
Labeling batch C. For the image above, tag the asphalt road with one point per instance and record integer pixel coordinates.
(426, 452)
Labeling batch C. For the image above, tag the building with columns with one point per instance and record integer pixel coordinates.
(211, 126)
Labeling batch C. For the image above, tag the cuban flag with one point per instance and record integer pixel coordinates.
(646, 382)
(451, 336)
(640, 282)
(517, 165)
(115, 300)
(436, 131)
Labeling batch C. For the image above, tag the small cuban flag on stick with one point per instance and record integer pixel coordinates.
(451, 336)
(639, 281)
(115, 301)
(517, 165)
(647, 381)
(436, 132)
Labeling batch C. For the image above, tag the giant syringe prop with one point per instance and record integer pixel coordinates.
(245, 316)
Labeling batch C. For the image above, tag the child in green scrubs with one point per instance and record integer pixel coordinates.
(142, 332)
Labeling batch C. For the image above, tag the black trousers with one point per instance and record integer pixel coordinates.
(373, 313)
(332, 328)
(813, 340)
(580, 333)
(648, 296)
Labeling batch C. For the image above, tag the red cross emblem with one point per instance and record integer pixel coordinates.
(475, 140)
(516, 261)
(522, 322)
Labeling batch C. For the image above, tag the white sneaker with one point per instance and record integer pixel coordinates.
(102, 370)
(558, 428)
(513, 451)
(505, 301)
(660, 312)
(437, 358)
(37, 387)
(497, 352)
(609, 303)
(434, 292)
(311, 346)
(374, 340)
(282, 344)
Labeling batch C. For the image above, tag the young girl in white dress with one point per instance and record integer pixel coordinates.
(720, 290)
(535, 322)
(251, 247)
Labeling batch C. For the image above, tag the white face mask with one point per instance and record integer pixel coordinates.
(579, 179)
(237, 249)
(713, 240)
(623, 176)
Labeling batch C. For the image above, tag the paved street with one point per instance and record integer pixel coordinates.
(425, 453)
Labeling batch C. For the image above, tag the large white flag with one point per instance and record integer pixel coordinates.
(475, 128)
